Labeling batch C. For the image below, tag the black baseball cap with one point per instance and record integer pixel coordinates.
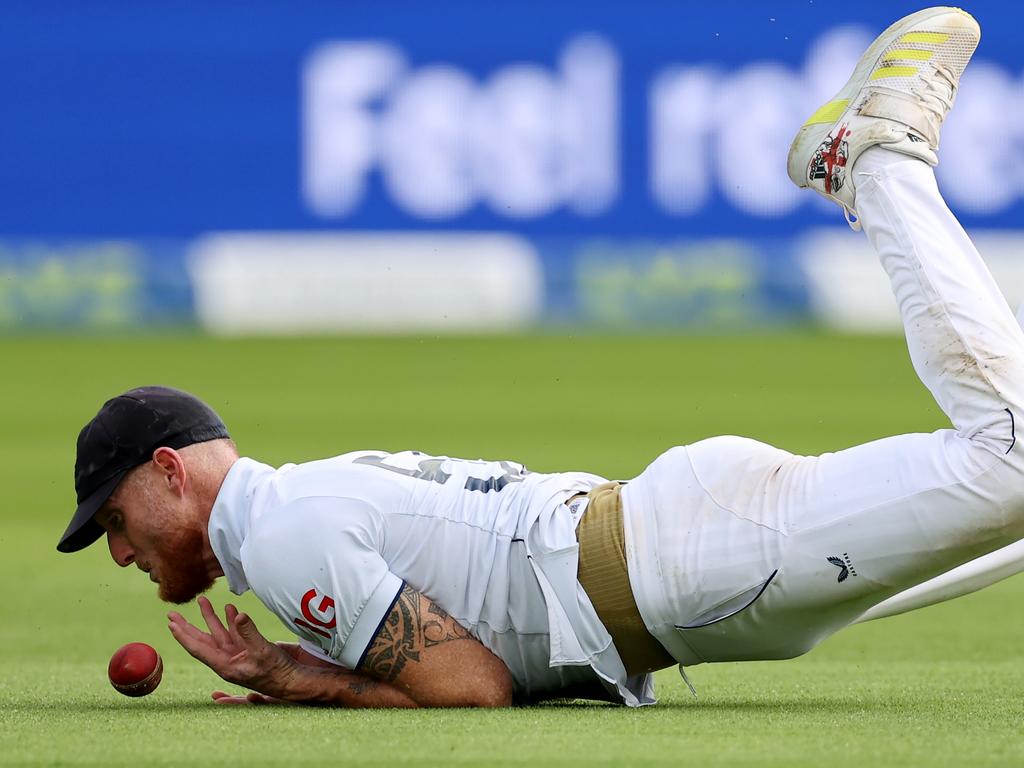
(123, 435)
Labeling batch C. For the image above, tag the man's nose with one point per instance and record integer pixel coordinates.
(120, 550)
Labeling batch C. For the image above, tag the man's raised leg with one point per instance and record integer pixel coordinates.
(816, 541)
(963, 488)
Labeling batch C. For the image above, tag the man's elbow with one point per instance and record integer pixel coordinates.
(495, 691)
(491, 686)
(463, 674)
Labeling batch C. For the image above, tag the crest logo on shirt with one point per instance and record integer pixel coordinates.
(319, 618)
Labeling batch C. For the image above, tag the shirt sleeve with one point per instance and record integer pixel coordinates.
(316, 563)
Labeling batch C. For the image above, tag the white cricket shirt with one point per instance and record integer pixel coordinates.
(327, 546)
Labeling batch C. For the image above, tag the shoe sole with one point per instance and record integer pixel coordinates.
(821, 123)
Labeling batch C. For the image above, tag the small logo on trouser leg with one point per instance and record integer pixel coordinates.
(845, 566)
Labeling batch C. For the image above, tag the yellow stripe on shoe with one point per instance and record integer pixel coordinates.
(924, 37)
(908, 54)
(828, 113)
(883, 72)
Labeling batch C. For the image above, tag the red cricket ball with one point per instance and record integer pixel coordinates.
(135, 669)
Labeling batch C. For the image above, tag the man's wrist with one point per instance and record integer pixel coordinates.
(297, 682)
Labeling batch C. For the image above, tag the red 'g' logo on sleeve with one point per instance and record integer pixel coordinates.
(319, 618)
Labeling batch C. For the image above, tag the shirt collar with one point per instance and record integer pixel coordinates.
(230, 518)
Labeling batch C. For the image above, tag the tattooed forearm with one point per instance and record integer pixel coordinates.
(414, 624)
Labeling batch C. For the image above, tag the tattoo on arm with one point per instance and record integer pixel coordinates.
(407, 632)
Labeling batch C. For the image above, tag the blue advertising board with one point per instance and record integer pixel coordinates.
(573, 125)
(640, 118)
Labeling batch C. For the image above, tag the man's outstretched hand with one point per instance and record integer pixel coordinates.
(455, 670)
(237, 652)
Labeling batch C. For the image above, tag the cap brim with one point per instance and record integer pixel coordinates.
(83, 530)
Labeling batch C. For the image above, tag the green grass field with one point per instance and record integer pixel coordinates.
(941, 687)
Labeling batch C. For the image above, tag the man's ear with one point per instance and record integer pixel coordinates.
(171, 468)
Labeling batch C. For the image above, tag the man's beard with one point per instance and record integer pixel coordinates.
(182, 571)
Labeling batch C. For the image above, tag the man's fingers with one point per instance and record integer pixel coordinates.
(232, 613)
(226, 698)
(250, 698)
(182, 626)
(241, 656)
(245, 629)
(199, 645)
(259, 698)
(217, 630)
(177, 618)
(186, 641)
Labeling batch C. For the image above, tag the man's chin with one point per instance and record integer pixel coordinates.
(179, 566)
(181, 593)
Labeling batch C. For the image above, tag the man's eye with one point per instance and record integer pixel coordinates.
(115, 522)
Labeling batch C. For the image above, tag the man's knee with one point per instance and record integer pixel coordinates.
(997, 445)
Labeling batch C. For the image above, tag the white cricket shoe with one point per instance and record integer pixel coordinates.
(899, 94)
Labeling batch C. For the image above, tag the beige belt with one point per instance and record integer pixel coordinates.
(602, 573)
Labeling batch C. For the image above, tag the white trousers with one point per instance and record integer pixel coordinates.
(739, 550)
